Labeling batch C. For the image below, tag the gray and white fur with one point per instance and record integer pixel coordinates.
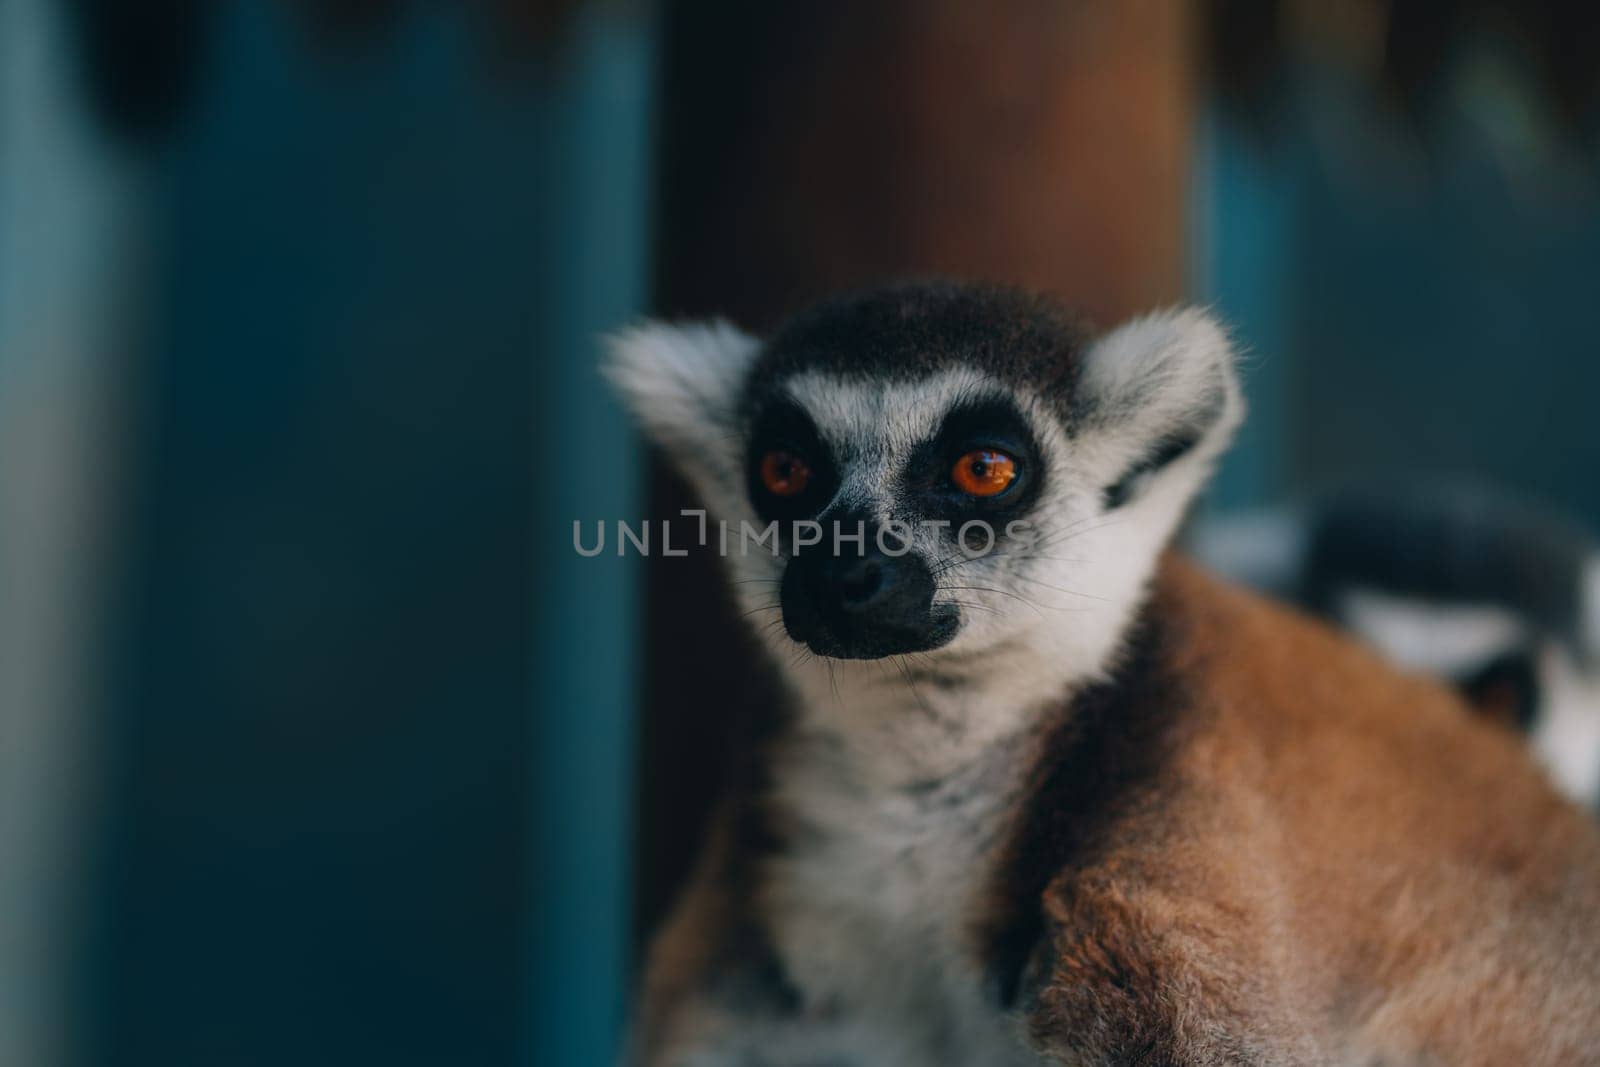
(1067, 798)
(889, 780)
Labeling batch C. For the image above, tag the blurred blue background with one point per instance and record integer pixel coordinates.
(319, 743)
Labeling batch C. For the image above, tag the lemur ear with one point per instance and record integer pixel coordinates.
(682, 384)
(1159, 392)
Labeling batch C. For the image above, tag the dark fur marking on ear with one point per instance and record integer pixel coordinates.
(1106, 752)
(1168, 450)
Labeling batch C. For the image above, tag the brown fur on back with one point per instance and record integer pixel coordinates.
(1289, 852)
(1257, 843)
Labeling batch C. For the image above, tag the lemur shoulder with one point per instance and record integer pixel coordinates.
(1068, 799)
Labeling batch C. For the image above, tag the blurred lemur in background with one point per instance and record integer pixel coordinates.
(1495, 594)
(1062, 797)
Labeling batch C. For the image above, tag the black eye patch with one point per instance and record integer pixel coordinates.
(995, 425)
(783, 426)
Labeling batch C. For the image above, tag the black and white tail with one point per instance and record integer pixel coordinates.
(1498, 596)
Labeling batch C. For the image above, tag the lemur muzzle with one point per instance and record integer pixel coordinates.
(864, 605)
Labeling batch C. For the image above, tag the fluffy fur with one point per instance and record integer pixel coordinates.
(1467, 583)
(1035, 619)
(1100, 825)
(683, 382)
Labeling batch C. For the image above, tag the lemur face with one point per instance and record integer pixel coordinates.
(910, 484)
(951, 469)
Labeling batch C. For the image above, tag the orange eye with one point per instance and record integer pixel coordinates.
(784, 473)
(983, 472)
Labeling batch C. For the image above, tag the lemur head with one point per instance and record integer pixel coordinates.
(982, 474)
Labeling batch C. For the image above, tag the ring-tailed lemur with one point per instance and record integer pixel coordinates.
(1063, 798)
(1495, 594)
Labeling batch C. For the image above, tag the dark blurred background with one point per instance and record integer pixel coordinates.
(318, 743)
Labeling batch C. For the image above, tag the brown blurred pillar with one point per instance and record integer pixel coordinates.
(807, 146)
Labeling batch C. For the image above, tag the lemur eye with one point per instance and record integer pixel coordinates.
(984, 472)
(784, 473)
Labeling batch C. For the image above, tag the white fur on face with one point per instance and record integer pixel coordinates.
(874, 425)
(869, 906)
(1039, 614)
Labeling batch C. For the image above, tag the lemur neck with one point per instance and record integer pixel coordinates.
(908, 720)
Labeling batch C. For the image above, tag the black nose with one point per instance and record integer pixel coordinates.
(863, 584)
(863, 606)
(874, 588)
